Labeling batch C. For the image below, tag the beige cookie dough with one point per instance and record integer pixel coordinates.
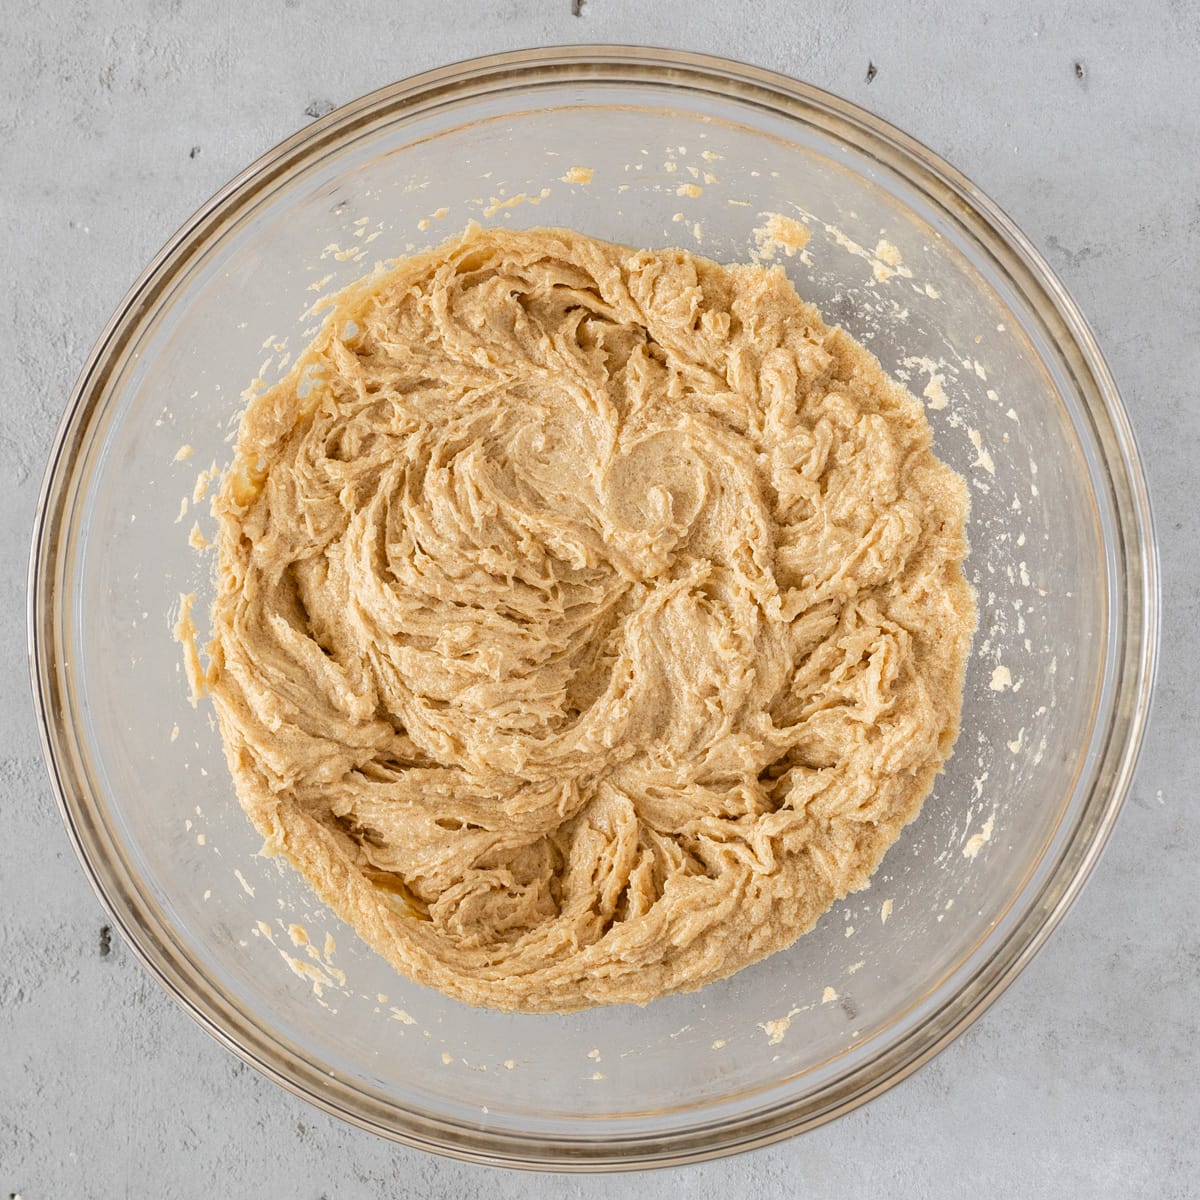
(588, 620)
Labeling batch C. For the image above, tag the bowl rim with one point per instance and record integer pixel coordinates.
(1136, 609)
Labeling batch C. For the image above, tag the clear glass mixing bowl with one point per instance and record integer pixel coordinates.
(682, 150)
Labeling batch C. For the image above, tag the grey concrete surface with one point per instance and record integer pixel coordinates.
(1082, 119)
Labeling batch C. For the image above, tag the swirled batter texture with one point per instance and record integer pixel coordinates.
(589, 619)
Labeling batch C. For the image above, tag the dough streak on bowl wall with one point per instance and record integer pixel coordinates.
(588, 619)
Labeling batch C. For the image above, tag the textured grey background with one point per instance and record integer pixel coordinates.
(119, 117)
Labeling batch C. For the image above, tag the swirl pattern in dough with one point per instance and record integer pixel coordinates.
(589, 619)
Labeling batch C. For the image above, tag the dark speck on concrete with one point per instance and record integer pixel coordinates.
(1075, 257)
(849, 1007)
(105, 940)
(577, 7)
(194, 152)
(1079, 71)
(872, 71)
(319, 108)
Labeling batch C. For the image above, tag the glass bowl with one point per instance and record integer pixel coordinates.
(679, 150)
